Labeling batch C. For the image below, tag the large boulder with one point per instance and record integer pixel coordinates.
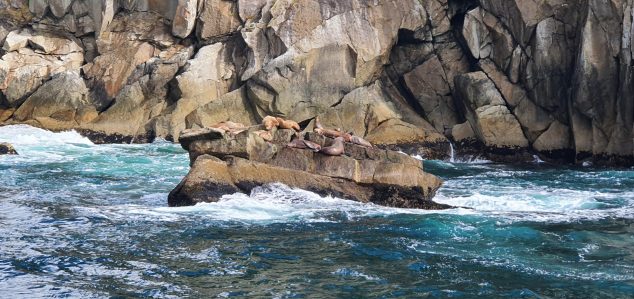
(429, 84)
(32, 58)
(488, 114)
(185, 18)
(217, 18)
(233, 106)
(224, 164)
(59, 104)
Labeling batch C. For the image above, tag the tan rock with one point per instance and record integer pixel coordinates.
(185, 18)
(60, 99)
(210, 178)
(487, 113)
(304, 86)
(125, 117)
(16, 39)
(557, 137)
(463, 132)
(233, 106)
(430, 85)
(217, 18)
(205, 79)
(24, 70)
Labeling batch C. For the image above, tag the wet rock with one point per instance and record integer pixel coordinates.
(224, 163)
(7, 149)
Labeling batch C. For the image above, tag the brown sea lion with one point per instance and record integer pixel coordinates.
(304, 144)
(336, 149)
(230, 127)
(333, 134)
(360, 141)
(288, 124)
(270, 122)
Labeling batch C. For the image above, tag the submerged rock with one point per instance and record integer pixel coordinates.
(225, 163)
(7, 149)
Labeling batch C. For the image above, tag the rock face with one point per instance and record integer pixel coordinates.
(507, 78)
(7, 149)
(224, 163)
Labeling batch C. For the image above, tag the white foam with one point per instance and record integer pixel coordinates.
(275, 203)
(24, 135)
(542, 205)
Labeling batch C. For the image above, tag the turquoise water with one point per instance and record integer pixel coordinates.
(81, 220)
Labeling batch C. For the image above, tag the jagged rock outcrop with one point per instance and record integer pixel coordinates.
(225, 163)
(558, 73)
(7, 149)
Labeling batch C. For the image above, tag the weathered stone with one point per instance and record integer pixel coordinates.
(487, 37)
(487, 113)
(205, 79)
(233, 106)
(15, 40)
(7, 149)
(58, 100)
(59, 7)
(22, 71)
(302, 87)
(217, 18)
(185, 18)
(429, 84)
(557, 137)
(38, 7)
(210, 178)
(463, 132)
(125, 117)
(131, 40)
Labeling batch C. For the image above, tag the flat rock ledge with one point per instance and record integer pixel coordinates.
(7, 149)
(224, 163)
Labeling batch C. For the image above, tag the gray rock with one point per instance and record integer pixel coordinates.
(7, 149)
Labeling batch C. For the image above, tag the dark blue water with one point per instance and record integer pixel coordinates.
(80, 220)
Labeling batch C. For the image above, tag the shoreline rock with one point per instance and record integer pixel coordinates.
(224, 163)
(7, 149)
(520, 78)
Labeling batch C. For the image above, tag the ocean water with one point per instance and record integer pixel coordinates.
(79, 220)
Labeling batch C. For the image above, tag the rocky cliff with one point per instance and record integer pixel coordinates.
(509, 78)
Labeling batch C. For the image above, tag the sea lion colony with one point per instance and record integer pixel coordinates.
(269, 122)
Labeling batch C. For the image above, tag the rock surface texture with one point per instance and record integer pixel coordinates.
(7, 149)
(507, 79)
(225, 163)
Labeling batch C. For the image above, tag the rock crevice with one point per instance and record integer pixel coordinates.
(386, 69)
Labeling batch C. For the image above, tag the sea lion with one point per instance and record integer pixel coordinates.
(287, 124)
(304, 144)
(336, 149)
(230, 127)
(270, 122)
(333, 134)
(360, 141)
